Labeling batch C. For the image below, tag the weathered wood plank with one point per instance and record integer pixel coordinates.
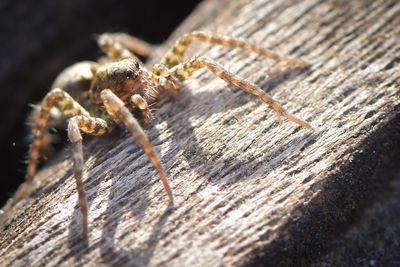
(250, 187)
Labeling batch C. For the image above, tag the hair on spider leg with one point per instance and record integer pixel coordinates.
(152, 104)
(153, 110)
(53, 130)
(34, 106)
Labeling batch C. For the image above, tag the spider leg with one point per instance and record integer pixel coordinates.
(117, 110)
(139, 102)
(115, 49)
(186, 69)
(136, 45)
(164, 79)
(80, 120)
(55, 120)
(174, 56)
(92, 126)
(69, 107)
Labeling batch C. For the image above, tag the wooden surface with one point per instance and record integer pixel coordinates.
(251, 188)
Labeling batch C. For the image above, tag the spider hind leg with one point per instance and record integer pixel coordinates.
(69, 107)
(92, 126)
(80, 119)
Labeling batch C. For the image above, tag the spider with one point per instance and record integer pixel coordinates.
(119, 90)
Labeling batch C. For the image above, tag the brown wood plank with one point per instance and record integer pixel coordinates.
(250, 187)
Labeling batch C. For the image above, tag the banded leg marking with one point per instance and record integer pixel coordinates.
(163, 77)
(114, 49)
(130, 42)
(185, 70)
(92, 126)
(69, 107)
(174, 56)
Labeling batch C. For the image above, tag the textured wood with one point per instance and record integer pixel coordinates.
(250, 187)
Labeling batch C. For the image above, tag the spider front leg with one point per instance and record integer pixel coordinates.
(120, 113)
(174, 56)
(184, 70)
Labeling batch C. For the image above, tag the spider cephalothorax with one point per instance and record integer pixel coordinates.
(114, 87)
(123, 77)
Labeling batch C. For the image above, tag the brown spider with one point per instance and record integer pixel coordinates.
(121, 85)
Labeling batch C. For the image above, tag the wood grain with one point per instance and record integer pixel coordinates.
(251, 188)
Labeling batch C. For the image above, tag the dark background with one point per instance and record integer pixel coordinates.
(40, 38)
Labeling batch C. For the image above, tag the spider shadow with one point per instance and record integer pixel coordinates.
(119, 201)
(133, 257)
(198, 158)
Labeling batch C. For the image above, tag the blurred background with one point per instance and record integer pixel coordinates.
(40, 38)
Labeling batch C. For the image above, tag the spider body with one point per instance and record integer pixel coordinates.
(122, 77)
(94, 96)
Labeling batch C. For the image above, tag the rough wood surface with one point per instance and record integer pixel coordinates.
(250, 187)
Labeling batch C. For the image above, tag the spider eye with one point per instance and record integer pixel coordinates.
(130, 74)
(137, 65)
(117, 73)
